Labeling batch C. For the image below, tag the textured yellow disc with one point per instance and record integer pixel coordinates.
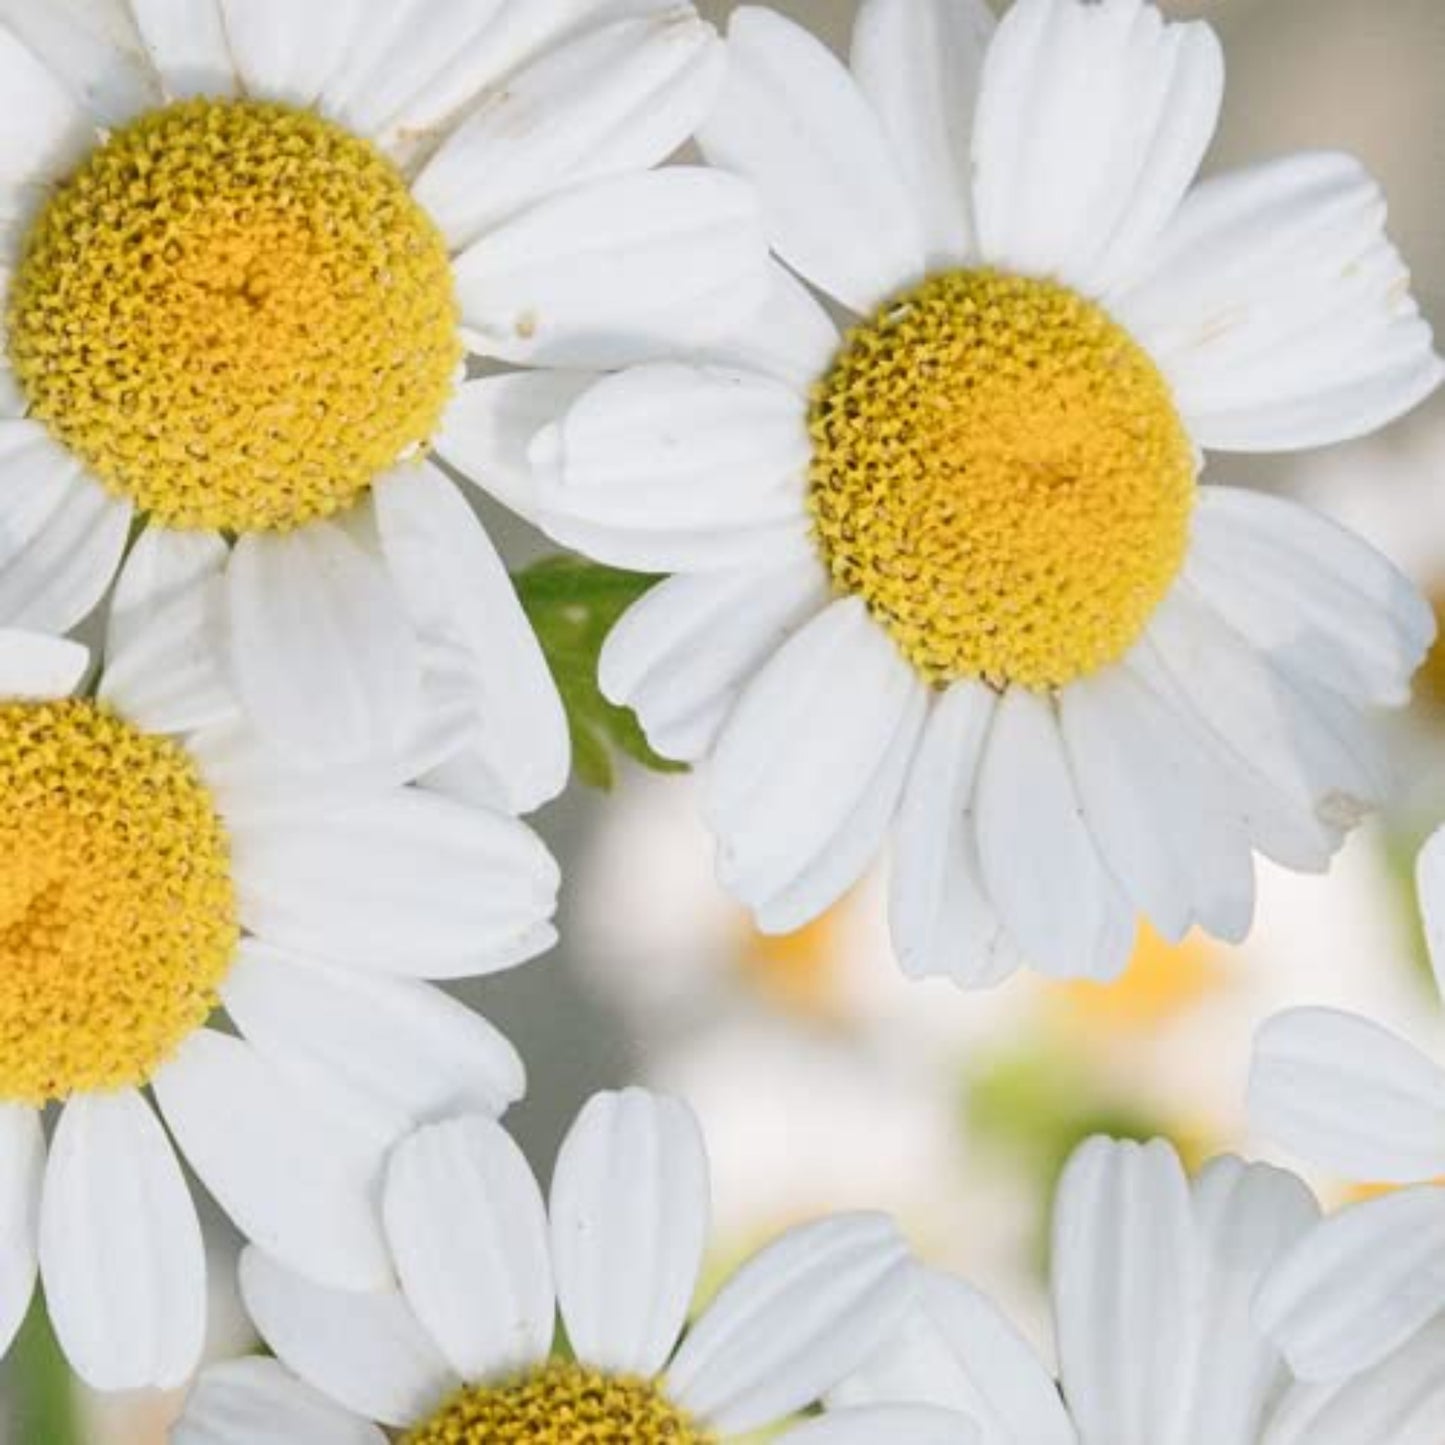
(1000, 472)
(236, 315)
(561, 1404)
(117, 913)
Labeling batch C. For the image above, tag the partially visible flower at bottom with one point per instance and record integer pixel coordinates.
(1153, 1279)
(464, 1351)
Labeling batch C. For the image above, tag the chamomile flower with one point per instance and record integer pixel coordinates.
(1152, 1277)
(463, 1353)
(951, 575)
(246, 247)
(158, 864)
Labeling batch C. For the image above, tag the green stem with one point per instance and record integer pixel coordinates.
(42, 1387)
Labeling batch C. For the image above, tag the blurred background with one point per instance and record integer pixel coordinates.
(823, 1079)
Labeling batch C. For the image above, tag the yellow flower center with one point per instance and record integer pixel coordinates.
(1000, 473)
(117, 912)
(560, 1404)
(235, 314)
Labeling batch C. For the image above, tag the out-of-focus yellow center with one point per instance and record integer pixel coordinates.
(1000, 473)
(117, 911)
(560, 1404)
(235, 314)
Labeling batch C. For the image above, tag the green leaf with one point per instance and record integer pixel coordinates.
(573, 605)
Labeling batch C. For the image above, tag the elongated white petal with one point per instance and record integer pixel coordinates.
(402, 1052)
(1279, 310)
(1430, 888)
(22, 1171)
(1041, 868)
(617, 271)
(618, 98)
(1309, 594)
(793, 1322)
(468, 1229)
(1355, 1288)
(366, 1350)
(1125, 1280)
(677, 467)
(37, 665)
(1345, 1093)
(1246, 1216)
(898, 1424)
(920, 64)
(322, 655)
(243, 1402)
(186, 42)
(298, 1180)
(1091, 124)
(401, 882)
(120, 1247)
(680, 656)
(459, 596)
(630, 1213)
(807, 773)
(957, 1351)
(289, 52)
(792, 121)
(46, 128)
(490, 425)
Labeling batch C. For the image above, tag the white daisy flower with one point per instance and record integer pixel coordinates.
(159, 864)
(952, 576)
(1352, 1096)
(464, 1352)
(1152, 1278)
(245, 249)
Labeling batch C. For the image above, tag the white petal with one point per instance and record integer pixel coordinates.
(299, 1181)
(322, 654)
(46, 129)
(942, 922)
(1041, 868)
(469, 1232)
(630, 1213)
(245, 1402)
(619, 98)
(897, 1424)
(163, 668)
(186, 41)
(617, 271)
(920, 63)
(676, 468)
(458, 594)
(793, 1322)
(366, 1351)
(490, 425)
(793, 122)
(1309, 594)
(36, 665)
(1358, 1286)
(92, 47)
(61, 535)
(405, 882)
(808, 771)
(407, 1052)
(958, 1352)
(1091, 124)
(1430, 889)
(120, 1247)
(680, 656)
(1125, 1282)
(284, 51)
(1400, 1401)
(1347, 1094)
(1176, 848)
(22, 1171)
(1247, 1214)
(1280, 312)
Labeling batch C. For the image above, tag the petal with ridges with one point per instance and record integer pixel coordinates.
(186, 42)
(37, 665)
(243, 1402)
